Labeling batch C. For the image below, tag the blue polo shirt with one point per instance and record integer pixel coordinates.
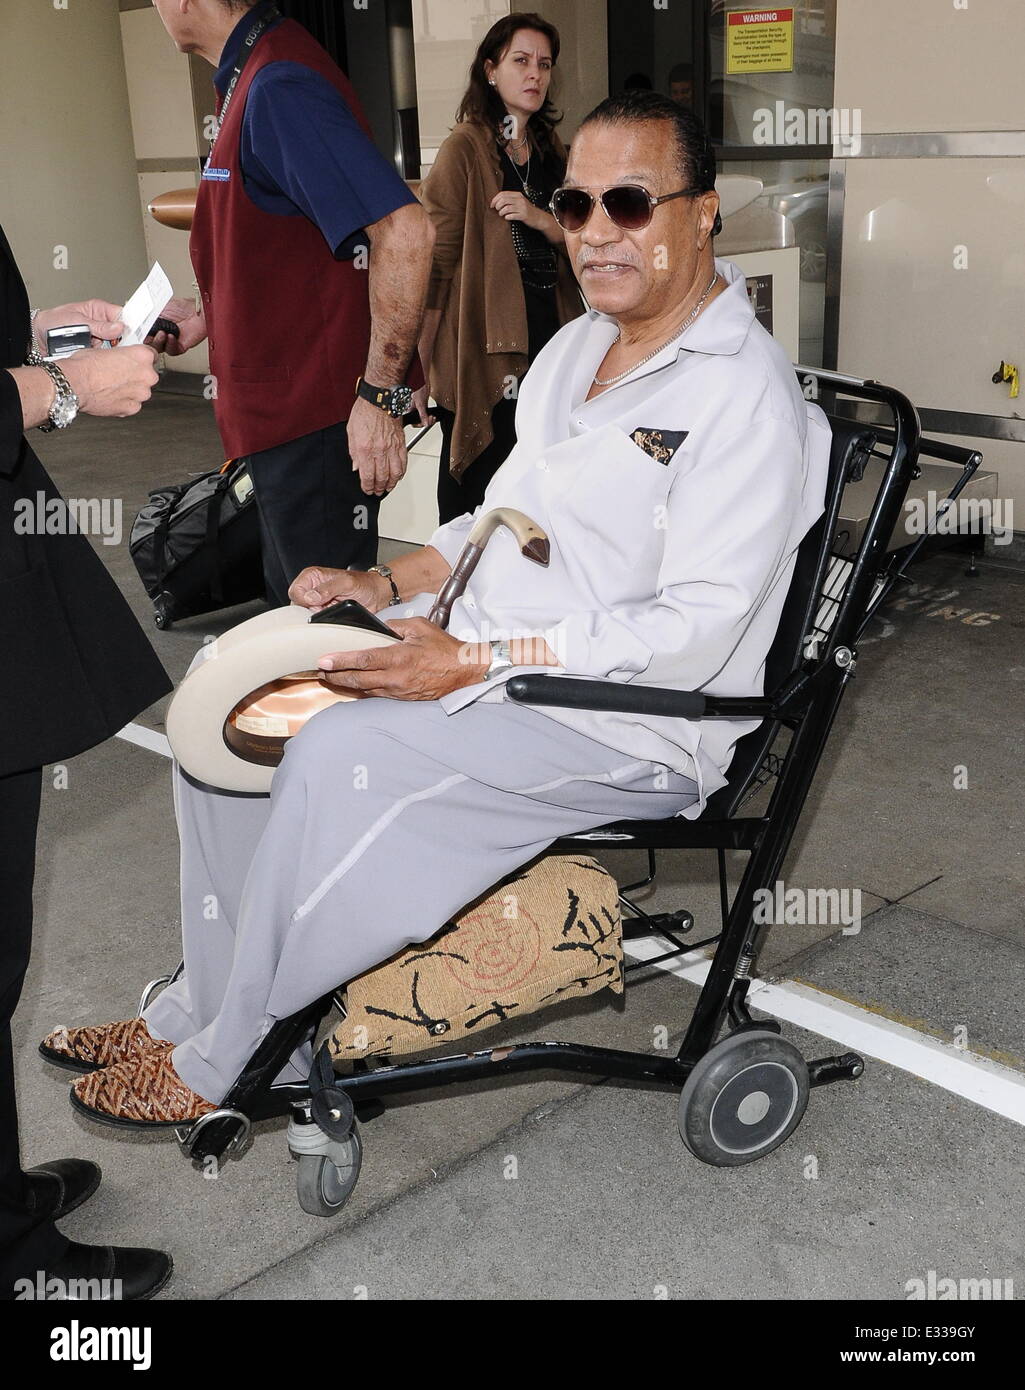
(303, 152)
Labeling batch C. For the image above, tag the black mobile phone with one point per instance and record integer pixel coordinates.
(352, 614)
(167, 326)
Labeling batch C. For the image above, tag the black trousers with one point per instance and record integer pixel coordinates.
(459, 495)
(26, 1243)
(312, 508)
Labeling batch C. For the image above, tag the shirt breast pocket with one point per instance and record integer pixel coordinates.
(618, 502)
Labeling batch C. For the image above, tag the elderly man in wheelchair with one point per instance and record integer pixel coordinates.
(667, 452)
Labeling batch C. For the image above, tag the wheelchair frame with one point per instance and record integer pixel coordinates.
(812, 660)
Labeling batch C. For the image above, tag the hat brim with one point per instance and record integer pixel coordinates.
(263, 649)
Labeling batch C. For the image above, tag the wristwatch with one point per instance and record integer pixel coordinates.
(501, 659)
(393, 400)
(65, 405)
(385, 573)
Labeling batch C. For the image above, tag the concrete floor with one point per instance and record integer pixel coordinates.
(606, 1201)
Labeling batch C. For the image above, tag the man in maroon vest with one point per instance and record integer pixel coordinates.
(312, 258)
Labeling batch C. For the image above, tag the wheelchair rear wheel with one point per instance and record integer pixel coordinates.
(744, 1098)
(324, 1183)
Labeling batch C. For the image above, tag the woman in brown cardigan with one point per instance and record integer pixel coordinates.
(501, 284)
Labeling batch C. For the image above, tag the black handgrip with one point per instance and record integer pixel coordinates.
(607, 696)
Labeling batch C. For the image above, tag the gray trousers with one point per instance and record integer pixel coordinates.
(385, 818)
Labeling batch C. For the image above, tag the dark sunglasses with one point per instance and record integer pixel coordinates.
(628, 205)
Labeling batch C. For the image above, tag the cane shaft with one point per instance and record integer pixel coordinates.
(455, 584)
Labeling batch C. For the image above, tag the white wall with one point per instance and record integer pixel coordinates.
(445, 37)
(583, 67)
(67, 165)
(933, 267)
(926, 65)
(160, 87)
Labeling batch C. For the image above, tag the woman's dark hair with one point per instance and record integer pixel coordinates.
(481, 101)
(695, 155)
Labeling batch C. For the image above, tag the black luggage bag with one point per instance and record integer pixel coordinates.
(196, 545)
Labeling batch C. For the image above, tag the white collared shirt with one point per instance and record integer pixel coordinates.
(661, 573)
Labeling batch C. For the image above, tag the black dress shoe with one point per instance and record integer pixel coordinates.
(63, 1185)
(91, 1272)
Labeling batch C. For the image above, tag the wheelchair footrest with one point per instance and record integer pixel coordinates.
(825, 1070)
(681, 921)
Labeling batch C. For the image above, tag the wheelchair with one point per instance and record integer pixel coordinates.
(742, 1094)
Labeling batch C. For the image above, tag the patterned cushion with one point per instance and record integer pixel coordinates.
(550, 933)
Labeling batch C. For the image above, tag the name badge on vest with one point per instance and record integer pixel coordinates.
(217, 175)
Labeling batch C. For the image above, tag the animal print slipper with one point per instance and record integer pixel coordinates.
(99, 1045)
(140, 1093)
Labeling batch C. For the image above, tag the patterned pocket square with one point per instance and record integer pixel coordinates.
(660, 445)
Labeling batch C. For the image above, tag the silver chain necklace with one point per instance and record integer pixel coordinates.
(528, 192)
(611, 381)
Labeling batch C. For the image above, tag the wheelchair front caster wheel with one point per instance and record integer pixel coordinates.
(324, 1185)
(743, 1099)
(163, 612)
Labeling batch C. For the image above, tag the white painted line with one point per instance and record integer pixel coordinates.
(978, 1079)
(693, 966)
(975, 1078)
(145, 738)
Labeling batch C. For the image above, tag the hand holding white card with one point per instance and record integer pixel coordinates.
(143, 309)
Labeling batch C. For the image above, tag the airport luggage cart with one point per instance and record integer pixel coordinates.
(742, 1094)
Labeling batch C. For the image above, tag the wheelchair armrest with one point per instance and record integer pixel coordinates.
(569, 692)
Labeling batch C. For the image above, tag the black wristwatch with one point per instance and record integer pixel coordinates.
(394, 400)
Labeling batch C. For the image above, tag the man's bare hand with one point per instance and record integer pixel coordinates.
(318, 587)
(429, 664)
(420, 406)
(191, 328)
(377, 444)
(111, 383)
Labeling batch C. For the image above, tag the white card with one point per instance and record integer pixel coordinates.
(143, 309)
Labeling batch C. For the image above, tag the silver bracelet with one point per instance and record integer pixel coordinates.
(34, 357)
(386, 573)
(501, 659)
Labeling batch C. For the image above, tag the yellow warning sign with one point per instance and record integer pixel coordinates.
(760, 41)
